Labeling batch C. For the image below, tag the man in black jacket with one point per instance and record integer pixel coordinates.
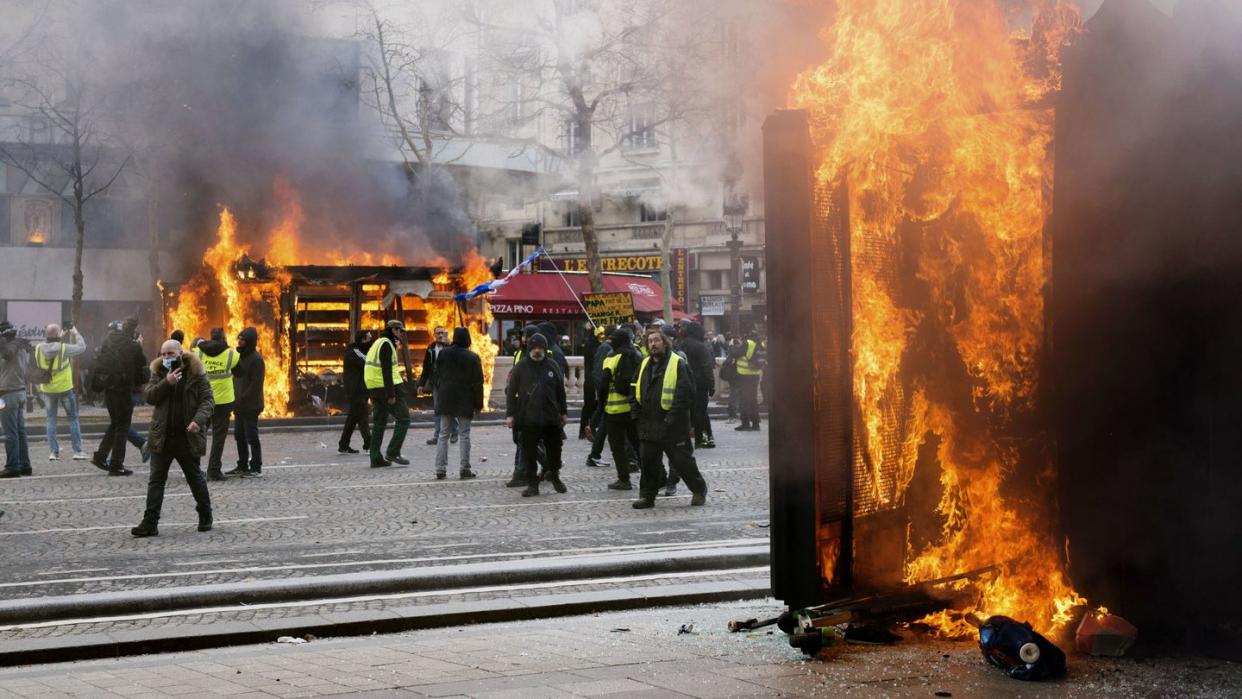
(248, 378)
(693, 344)
(535, 406)
(427, 379)
(664, 392)
(616, 403)
(599, 433)
(356, 392)
(120, 368)
(458, 396)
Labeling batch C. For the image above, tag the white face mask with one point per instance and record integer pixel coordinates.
(168, 362)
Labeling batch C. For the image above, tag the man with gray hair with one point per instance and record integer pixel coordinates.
(54, 355)
(14, 360)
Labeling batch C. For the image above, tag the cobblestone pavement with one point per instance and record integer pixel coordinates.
(620, 654)
(66, 529)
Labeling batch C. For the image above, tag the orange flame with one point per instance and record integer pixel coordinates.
(930, 112)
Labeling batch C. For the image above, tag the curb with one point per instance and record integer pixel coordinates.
(449, 577)
(111, 645)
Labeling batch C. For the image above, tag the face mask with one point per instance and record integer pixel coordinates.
(168, 362)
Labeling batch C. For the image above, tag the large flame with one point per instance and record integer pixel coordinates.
(933, 114)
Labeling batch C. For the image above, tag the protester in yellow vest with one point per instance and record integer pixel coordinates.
(55, 355)
(219, 360)
(750, 362)
(615, 402)
(382, 376)
(663, 395)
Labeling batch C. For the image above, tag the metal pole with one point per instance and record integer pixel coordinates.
(735, 259)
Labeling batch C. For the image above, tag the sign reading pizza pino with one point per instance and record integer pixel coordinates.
(610, 308)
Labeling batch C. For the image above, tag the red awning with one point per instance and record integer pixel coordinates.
(548, 294)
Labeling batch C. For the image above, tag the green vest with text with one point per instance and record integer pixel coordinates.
(670, 381)
(61, 369)
(373, 372)
(220, 373)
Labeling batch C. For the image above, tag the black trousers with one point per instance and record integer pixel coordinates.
(589, 404)
(357, 418)
(601, 436)
(246, 432)
(680, 458)
(698, 415)
(189, 463)
(220, 416)
(622, 435)
(533, 438)
(748, 399)
(120, 404)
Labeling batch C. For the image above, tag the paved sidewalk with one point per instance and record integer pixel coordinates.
(621, 654)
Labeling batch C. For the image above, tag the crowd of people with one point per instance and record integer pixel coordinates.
(646, 398)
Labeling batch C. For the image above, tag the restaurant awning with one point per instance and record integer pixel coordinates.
(556, 295)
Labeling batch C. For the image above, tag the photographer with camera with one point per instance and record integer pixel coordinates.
(54, 360)
(14, 363)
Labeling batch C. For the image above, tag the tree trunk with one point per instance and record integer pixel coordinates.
(75, 308)
(586, 219)
(666, 275)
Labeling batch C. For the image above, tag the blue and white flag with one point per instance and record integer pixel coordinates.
(495, 284)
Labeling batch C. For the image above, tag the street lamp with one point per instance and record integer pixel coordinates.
(735, 207)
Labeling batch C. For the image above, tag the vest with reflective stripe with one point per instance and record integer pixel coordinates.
(743, 363)
(62, 372)
(220, 374)
(517, 357)
(617, 404)
(668, 389)
(373, 372)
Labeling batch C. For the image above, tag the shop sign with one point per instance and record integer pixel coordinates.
(711, 306)
(609, 308)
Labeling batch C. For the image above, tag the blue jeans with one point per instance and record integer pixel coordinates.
(445, 423)
(69, 399)
(13, 419)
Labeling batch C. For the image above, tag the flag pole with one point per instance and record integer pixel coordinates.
(570, 287)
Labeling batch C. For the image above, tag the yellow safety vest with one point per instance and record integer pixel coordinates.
(62, 372)
(743, 363)
(617, 404)
(517, 357)
(670, 381)
(373, 372)
(220, 374)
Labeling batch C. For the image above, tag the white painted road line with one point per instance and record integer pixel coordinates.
(171, 524)
(549, 503)
(396, 596)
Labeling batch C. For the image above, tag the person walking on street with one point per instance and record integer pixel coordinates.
(458, 397)
(356, 392)
(536, 407)
(248, 378)
(598, 429)
(750, 362)
(55, 356)
(15, 356)
(663, 395)
(218, 361)
(182, 399)
(693, 344)
(427, 380)
(382, 376)
(119, 369)
(590, 383)
(616, 402)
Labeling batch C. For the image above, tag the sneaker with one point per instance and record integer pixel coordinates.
(670, 490)
(557, 484)
(698, 499)
(214, 474)
(6, 473)
(452, 439)
(145, 529)
(120, 472)
(643, 504)
(620, 485)
(531, 491)
(381, 463)
(53, 457)
(441, 475)
(466, 474)
(79, 456)
(593, 462)
(709, 444)
(99, 464)
(399, 459)
(252, 474)
(145, 451)
(347, 450)
(240, 470)
(432, 441)
(516, 482)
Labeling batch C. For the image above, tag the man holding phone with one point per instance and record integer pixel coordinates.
(183, 403)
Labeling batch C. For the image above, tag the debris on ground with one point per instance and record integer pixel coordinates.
(291, 639)
(1018, 650)
(1104, 634)
(870, 635)
(751, 624)
(620, 630)
(685, 629)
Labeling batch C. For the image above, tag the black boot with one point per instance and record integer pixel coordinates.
(145, 528)
(517, 481)
(644, 503)
(204, 521)
(531, 490)
(554, 477)
(214, 474)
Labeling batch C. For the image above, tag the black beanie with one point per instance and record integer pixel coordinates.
(536, 340)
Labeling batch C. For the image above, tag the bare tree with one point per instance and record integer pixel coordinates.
(602, 70)
(72, 162)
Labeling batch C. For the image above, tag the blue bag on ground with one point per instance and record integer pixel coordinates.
(1017, 649)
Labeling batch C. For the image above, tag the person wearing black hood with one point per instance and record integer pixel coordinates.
(356, 392)
(693, 343)
(536, 407)
(458, 397)
(120, 368)
(519, 469)
(616, 404)
(218, 360)
(248, 377)
(550, 333)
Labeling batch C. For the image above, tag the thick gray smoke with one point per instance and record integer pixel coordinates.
(224, 99)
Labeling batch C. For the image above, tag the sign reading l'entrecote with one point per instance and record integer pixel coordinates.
(610, 308)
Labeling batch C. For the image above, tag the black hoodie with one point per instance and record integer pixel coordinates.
(355, 365)
(248, 375)
(700, 356)
(459, 378)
